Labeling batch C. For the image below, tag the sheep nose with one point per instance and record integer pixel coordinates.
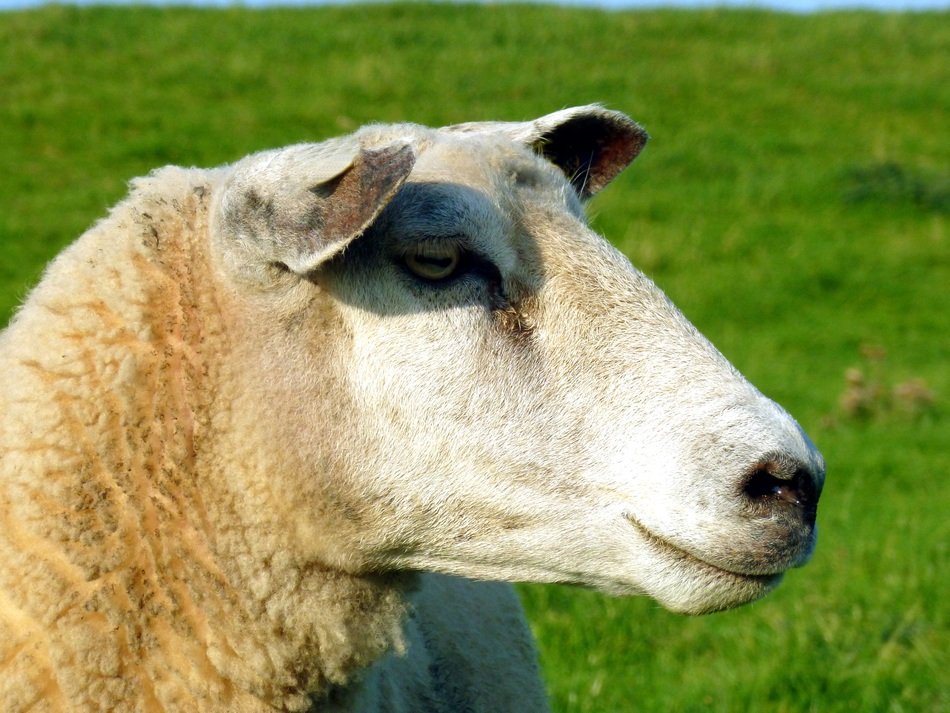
(782, 485)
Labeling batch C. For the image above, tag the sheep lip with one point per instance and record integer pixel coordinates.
(666, 546)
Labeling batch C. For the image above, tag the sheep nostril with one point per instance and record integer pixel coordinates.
(762, 484)
(774, 485)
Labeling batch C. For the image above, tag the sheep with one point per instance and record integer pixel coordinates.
(276, 435)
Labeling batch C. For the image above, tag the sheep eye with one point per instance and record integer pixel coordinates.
(434, 262)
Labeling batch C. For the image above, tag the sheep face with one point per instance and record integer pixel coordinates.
(466, 379)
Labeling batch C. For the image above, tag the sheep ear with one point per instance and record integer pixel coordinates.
(590, 144)
(297, 207)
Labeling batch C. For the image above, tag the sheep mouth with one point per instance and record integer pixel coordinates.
(689, 559)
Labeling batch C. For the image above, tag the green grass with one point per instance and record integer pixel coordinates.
(793, 202)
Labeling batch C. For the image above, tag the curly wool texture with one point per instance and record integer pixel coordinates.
(142, 568)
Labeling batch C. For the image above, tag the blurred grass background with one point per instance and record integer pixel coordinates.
(793, 202)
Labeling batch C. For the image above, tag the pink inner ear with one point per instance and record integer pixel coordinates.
(355, 198)
(351, 201)
(591, 149)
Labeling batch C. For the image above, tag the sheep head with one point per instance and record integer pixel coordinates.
(466, 379)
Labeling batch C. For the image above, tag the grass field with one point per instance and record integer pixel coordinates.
(793, 201)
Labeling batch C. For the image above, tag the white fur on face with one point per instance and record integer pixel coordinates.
(548, 415)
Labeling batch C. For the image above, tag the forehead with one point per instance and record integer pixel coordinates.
(488, 161)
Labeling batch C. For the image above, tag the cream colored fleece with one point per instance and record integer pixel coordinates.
(138, 569)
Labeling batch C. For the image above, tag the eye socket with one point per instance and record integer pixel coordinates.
(434, 261)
